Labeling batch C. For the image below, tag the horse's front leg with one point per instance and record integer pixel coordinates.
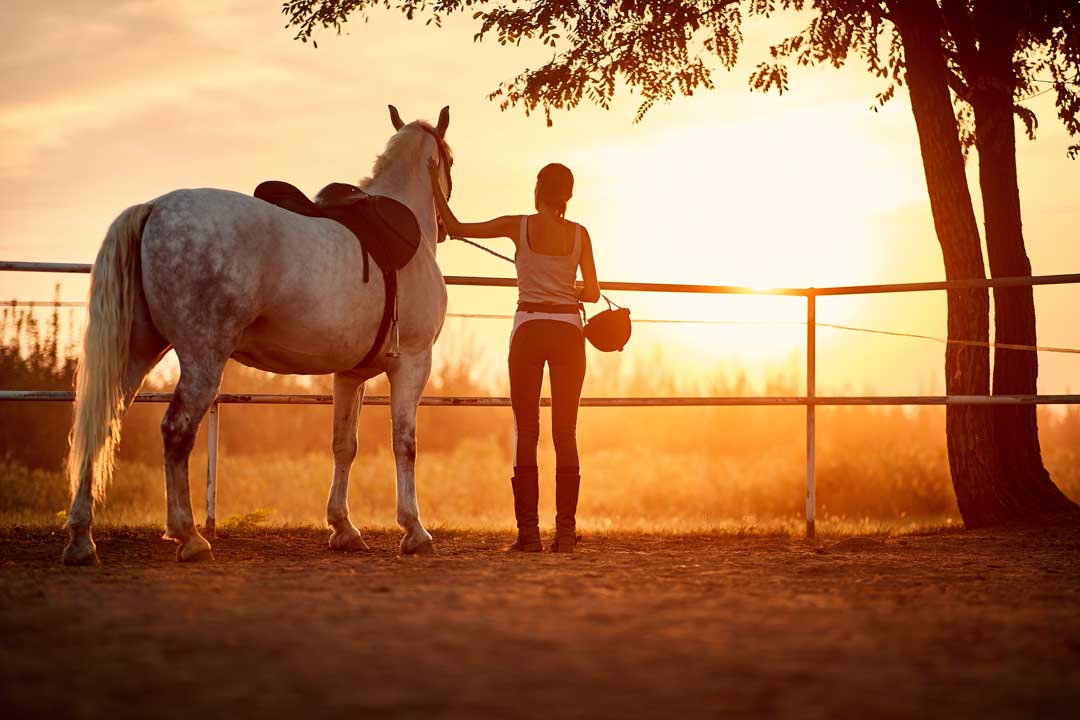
(348, 397)
(407, 379)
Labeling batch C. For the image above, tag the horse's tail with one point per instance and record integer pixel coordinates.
(99, 392)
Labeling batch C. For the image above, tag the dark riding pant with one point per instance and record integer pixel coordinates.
(562, 346)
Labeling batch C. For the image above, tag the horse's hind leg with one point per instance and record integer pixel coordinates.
(348, 398)
(407, 380)
(145, 349)
(195, 392)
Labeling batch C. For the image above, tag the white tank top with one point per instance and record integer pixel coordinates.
(546, 279)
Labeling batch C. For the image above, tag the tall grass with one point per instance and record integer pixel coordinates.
(642, 467)
(621, 488)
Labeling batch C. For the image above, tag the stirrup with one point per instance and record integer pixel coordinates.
(395, 349)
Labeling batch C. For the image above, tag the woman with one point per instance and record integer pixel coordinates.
(547, 329)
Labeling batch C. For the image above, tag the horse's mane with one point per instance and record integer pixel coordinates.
(400, 145)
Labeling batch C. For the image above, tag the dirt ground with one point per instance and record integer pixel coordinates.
(653, 626)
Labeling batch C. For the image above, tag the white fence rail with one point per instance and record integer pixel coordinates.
(811, 400)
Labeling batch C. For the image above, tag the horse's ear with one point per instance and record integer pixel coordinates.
(444, 121)
(395, 117)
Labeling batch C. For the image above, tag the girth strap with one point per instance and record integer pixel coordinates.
(390, 285)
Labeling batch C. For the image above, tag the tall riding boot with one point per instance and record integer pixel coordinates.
(567, 483)
(526, 486)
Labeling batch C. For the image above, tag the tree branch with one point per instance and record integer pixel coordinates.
(958, 86)
(960, 25)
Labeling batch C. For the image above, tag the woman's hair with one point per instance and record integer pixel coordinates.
(555, 186)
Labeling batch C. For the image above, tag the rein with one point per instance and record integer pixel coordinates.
(510, 260)
(488, 250)
(444, 161)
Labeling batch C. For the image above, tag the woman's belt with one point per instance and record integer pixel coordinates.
(532, 307)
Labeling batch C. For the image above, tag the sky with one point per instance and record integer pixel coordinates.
(106, 103)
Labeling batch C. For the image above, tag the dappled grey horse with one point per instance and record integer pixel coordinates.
(215, 275)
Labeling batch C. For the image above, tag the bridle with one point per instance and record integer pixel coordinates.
(444, 162)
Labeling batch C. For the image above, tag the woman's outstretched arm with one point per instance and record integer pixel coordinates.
(505, 226)
(591, 290)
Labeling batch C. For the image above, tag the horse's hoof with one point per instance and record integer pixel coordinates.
(196, 549)
(83, 556)
(348, 541)
(425, 548)
(204, 555)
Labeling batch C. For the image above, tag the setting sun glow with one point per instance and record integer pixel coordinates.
(727, 187)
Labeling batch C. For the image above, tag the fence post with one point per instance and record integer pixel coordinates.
(811, 393)
(211, 470)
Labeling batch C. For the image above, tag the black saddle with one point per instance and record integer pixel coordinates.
(384, 227)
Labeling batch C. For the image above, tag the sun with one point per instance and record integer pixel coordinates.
(748, 204)
(749, 211)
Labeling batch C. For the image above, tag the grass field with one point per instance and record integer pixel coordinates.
(468, 486)
(661, 469)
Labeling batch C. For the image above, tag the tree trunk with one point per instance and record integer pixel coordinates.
(1022, 490)
(968, 428)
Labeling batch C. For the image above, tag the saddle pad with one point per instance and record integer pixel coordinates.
(385, 228)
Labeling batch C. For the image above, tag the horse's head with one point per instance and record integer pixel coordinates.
(441, 152)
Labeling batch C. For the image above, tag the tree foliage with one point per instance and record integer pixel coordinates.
(659, 49)
(1046, 58)
(662, 49)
